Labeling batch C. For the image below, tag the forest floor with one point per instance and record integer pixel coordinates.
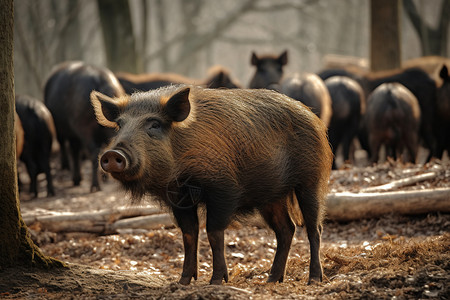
(393, 257)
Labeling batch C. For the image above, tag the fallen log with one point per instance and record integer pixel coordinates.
(340, 207)
(101, 215)
(144, 222)
(400, 183)
(100, 222)
(353, 206)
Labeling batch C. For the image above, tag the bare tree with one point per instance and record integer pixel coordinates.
(120, 46)
(385, 35)
(46, 32)
(194, 42)
(162, 32)
(16, 246)
(432, 40)
(67, 24)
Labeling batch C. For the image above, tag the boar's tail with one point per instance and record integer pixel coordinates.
(294, 210)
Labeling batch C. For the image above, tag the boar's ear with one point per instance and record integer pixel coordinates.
(254, 61)
(283, 58)
(106, 109)
(444, 73)
(178, 106)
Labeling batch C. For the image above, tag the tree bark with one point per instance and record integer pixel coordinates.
(16, 247)
(385, 39)
(354, 206)
(120, 48)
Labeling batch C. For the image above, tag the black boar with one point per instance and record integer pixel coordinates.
(67, 96)
(309, 89)
(132, 83)
(443, 113)
(39, 132)
(218, 77)
(269, 70)
(232, 152)
(348, 105)
(392, 119)
(418, 81)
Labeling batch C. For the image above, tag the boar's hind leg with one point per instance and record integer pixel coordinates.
(45, 166)
(187, 220)
(95, 152)
(32, 173)
(277, 217)
(310, 208)
(75, 149)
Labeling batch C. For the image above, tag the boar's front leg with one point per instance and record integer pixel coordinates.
(219, 210)
(187, 220)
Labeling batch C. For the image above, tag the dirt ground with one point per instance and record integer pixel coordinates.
(393, 257)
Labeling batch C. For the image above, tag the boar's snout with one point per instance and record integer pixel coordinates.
(113, 161)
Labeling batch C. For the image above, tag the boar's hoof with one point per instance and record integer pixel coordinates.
(113, 161)
(185, 280)
(217, 280)
(95, 188)
(314, 280)
(275, 278)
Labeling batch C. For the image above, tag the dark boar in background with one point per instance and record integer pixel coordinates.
(219, 77)
(231, 151)
(39, 132)
(424, 89)
(67, 96)
(392, 119)
(443, 113)
(309, 89)
(269, 70)
(418, 81)
(348, 105)
(132, 83)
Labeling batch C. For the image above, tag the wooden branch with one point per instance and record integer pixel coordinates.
(340, 207)
(400, 183)
(354, 206)
(101, 222)
(144, 222)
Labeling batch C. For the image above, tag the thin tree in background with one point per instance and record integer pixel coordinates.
(432, 40)
(385, 34)
(16, 246)
(120, 46)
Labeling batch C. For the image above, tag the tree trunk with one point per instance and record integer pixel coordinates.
(115, 18)
(16, 247)
(385, 35)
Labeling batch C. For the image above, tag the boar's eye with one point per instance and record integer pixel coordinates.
(153, 127)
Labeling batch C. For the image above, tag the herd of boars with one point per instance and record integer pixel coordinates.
(210, 143)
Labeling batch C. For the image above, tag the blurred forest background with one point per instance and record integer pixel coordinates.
(189, 36)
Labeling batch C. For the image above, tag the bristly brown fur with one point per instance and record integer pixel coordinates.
(229, 133)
